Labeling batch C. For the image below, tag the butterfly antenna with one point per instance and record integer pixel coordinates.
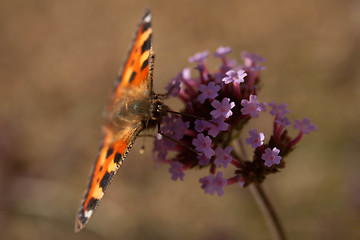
(190, 115)
(176, 141)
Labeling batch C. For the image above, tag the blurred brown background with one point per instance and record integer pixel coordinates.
(59, 60)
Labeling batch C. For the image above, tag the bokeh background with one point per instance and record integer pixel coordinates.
(59, 60)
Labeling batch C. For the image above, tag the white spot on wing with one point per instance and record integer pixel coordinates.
(147, 18)
(88, 214)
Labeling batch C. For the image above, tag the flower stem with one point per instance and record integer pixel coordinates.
(268, 212)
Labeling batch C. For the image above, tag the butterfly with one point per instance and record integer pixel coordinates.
(134, 107)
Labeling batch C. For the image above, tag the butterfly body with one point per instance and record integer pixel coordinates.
(133, 107)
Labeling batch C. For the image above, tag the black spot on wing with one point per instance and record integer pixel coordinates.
(145, 64)
(82, 220)
(146, 45)
(105, 180)
(147, 25)
(109, 152)
(117, 158)
(92, 203)
(132, 77)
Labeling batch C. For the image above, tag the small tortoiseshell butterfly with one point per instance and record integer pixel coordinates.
(134, 106)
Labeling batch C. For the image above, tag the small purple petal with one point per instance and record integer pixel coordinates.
(223, 156)
(208, 91)
(252, 60)
(305, 126)
(223, 108)
(271, 157)
(200, 125)
(173, 127)
(283, 121)
(203, 160)
(252, 106)
(176, 171)
(211, 184)
(279, 110)
(256, 139)
(203, 144)
(222, 51)
(220, 125)
(233, 76)
(199, 57)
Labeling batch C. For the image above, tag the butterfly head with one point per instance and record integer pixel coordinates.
(158, 110)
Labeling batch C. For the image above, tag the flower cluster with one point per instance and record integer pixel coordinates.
(217, 106)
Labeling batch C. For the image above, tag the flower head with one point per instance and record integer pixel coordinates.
(222, 108)
(271, 157)
(208, 92)
(218, 125)
(252, 60)
(252, 106)
(203, 144)
(232, 76)
(256, 139)
(211, 184)
(279, 110)
(203, 160)
(216, 107)
(223, 156)
(176, 171)
(199, 57)
(283, 121)
(173, 127)
(222, 51)
(305, 126)
(175, 84)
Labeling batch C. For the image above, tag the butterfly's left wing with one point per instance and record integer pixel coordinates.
(110, 158)
(134, 82)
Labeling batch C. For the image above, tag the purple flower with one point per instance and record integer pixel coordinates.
(233, 76)
(175, 85)
(255, 139)
(203, 160)
(176, 171)
(174, 128)
(222, 156)
(180, 127)
(200, 125)
(207, 183)
(252, 107)
(252, 60)
(203, 144)
(160, 148)
(271, 156)
(209, 91)
(212, 183)
(199, 57)
(222, 51)
(222, 108)
(305, 125)
(220, 125)
(279, 110)
(283, 121)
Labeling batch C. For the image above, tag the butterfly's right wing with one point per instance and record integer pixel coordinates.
(137, 70)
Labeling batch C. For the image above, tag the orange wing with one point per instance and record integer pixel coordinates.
(136, 76)
(140, 59)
